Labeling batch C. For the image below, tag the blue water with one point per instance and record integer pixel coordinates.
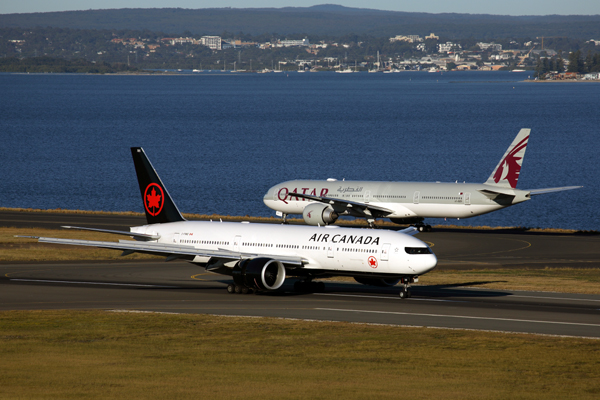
(220, 140)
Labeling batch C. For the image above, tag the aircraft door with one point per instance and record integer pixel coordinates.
(330, 253)
(416, 197)
(176, 238)
(467, 199)
(367, 196)
(237, 243)
(385, 252)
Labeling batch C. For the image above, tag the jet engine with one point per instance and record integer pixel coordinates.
(261, 274)
(319, 214)
(381, 282)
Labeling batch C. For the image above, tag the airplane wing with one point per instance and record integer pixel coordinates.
(411, 231)
(346, 207)
(552, 190)
(171, 251)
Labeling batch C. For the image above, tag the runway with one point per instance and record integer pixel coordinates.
(184, 288)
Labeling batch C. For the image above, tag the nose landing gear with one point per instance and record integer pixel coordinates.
(405, 290)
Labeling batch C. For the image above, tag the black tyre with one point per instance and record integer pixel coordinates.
(230, 288)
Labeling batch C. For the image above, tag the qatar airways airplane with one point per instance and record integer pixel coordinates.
(259, 257)
(322, 202)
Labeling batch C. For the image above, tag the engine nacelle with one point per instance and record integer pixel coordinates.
(381, 282)
(319, 214)
(259, 273)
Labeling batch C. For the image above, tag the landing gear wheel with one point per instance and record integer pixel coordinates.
(238, 289)
(405, 290)
(423, 228)
(231, 288)
(245, 290)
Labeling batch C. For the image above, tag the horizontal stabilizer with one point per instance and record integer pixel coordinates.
(552, 190)
(142, 236)
(491, 193)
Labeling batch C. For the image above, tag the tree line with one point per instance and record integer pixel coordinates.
(97, 47)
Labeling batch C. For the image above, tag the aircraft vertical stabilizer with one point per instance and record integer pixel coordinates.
(158, 205)
(506, 173)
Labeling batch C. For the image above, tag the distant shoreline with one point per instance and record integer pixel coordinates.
(562, 80)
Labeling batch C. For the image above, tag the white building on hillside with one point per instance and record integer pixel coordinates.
(212, 42)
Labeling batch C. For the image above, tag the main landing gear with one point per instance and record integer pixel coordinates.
(423, 228)
(239, 289)
(405, 290)
(372, 224)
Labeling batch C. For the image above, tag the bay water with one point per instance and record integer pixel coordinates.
(219, 140)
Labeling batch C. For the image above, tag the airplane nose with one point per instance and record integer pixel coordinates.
(268, 197)
(426, 263)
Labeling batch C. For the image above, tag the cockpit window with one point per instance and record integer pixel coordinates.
(417, 250)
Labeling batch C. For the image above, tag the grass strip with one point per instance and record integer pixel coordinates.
(97, 354)
(563, 280)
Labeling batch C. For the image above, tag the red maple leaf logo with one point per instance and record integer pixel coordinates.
(372, 262)
(512, 164)
(154, 202)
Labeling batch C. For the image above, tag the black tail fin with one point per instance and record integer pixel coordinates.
(158, 205)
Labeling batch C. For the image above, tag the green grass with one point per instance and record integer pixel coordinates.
(565, 280)
(97, 354)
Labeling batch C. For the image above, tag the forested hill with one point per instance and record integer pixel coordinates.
(317, 20)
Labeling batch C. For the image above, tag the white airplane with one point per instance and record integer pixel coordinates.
(259, 257)
(322, 202)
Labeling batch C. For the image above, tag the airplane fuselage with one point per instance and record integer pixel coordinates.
(404, 199)
(330, 249)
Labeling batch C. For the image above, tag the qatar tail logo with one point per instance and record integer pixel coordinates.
(510, 167)
(372, 262)
(154, 199)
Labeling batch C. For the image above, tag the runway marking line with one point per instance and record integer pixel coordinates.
(458, 316)
(553, 298)
(194, 276)
(93, 283)
(384, 297)
(453, 301)
(498, 252)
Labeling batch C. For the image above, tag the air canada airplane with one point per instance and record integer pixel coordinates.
(259, 257)
(322, 202)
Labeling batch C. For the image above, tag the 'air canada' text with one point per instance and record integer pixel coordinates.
(324, 238)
